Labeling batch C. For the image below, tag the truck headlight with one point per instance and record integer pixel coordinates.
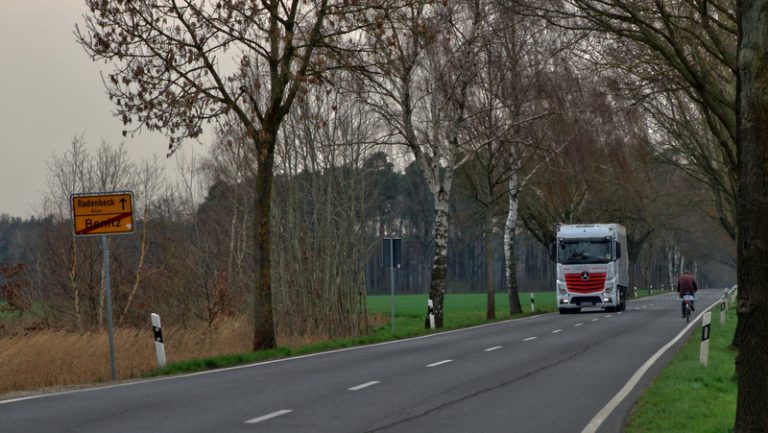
(562, 289)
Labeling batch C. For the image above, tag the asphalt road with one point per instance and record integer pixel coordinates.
(546, 374)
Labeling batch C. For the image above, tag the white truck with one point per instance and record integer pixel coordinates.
(592, 267)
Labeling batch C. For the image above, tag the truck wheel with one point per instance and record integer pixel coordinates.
(563, 311)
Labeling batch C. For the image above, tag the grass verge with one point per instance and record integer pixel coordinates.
(461, 311)
(689, 397)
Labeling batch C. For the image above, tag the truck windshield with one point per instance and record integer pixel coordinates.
(584, 251)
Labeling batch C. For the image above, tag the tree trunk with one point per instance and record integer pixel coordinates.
(264, 327)
(752, 235)
(510, 230)
(440, 261)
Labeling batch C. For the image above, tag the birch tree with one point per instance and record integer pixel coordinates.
(424, 66)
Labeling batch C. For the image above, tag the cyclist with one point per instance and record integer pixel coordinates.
(686, 285)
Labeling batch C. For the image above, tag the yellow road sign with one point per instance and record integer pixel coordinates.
(102, 213)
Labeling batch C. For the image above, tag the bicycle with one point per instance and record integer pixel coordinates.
(686, 305)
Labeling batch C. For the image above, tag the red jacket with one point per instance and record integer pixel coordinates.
(686, 283)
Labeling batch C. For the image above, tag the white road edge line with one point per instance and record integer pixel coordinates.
(445, 361)
(601, 416)
(268, 416)
(491, 349)
(364, 385)
(530, 338)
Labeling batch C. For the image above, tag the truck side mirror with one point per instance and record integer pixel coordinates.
(618, 250)
(553, 251)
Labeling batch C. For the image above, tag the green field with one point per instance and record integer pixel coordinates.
(689, 397)
(460, 310)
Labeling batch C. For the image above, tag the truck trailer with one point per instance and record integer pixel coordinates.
(592, 267)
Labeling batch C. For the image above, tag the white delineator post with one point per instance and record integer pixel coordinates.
(705, 327)
(723, 306)
(533, 303)
(159, 345)
(431, 314)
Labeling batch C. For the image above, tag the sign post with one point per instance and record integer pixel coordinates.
(104, 214)
(392, 259)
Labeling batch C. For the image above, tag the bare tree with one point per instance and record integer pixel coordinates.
(180, 65)
(679, 59)
(425, 64)
(322, 209)
(69, 173)
(148, 183)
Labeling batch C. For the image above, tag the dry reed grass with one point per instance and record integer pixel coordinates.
(43, 360)
(47, 360)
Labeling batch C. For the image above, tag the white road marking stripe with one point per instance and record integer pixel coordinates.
(577, 325)
(609, 316)
(491, 349)
(595, 320)
(530, 338)
(557, 331)
(268, 416)
(364, 385)
(440, 363)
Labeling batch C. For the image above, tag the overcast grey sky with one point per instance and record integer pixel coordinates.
(50, 92)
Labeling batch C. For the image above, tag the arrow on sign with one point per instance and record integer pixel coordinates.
(122, 202)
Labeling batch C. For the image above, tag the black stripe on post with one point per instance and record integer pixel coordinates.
(158, 334)
(705, 332)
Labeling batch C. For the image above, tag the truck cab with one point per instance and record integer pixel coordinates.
(592, 267)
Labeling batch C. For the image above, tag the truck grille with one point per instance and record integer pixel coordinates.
(594, 282)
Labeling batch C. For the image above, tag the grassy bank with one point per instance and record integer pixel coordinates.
(689, 397)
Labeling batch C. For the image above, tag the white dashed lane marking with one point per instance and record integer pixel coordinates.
(557, 331)
(268, 416)
(364, 385)
(530, 338)
(445, 361)
(491, 349)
